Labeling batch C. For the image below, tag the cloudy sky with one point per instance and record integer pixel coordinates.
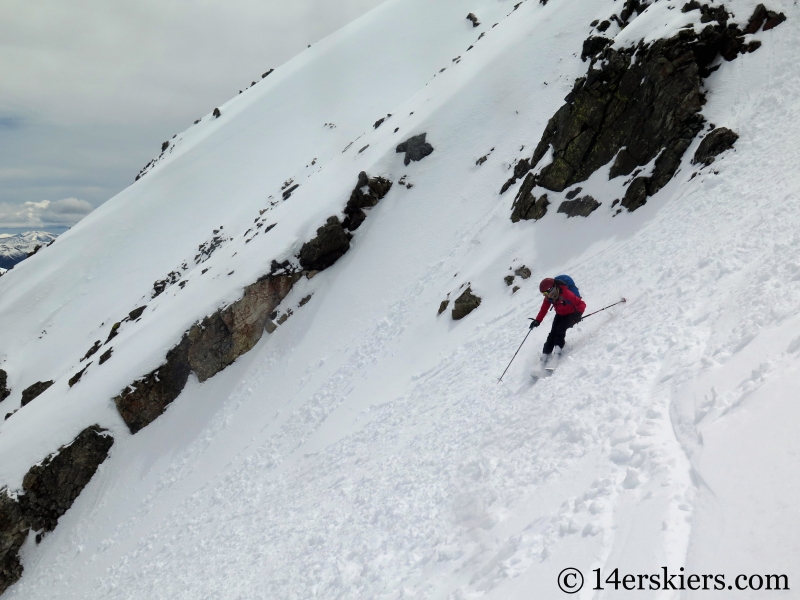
(91, 88)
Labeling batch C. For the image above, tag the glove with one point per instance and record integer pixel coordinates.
(578, 317)
(534, 323)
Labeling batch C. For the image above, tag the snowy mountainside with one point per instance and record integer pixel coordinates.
(16, 248)
(363, 448)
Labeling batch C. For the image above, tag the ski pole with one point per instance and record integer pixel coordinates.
(602, 309)
(515, 355)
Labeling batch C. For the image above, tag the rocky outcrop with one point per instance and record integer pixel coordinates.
(714, 144)
(526, 206)
(13, 531)
(329, 245)
(220, 339)
(50, 488)
(635, 106)
(48, 491)
(465, 304)
(4, 391)
(367, 193)
(416, 148)
(143, 402)
(32, 391)
(582, 207)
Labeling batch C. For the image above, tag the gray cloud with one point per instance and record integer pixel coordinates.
(91, 88)
(44, 214)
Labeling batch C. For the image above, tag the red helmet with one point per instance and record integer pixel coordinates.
(547, 284)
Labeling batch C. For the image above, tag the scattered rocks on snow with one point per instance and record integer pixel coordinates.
(4, 391)
(526, 206)
(582, 207)
(762, 16)
(92, 350)
(715, 143)
(523, 272)
(367, 193)
(416, 148)
(32, 391)
(465, 304)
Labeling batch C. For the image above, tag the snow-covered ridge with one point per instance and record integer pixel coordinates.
(15, 248)
(367, 428)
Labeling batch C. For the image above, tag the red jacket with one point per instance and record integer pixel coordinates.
(566, 304)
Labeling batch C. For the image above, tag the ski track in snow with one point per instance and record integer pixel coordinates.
(380, 458)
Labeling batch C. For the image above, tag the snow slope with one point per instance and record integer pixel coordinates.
(365, 449)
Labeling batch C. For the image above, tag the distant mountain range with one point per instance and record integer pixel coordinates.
(16, 248)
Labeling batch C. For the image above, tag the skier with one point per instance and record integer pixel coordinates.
(569, 311)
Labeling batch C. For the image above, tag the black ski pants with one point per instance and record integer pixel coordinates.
(558, 333)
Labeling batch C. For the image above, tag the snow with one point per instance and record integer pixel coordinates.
(365, 449)
(14, 248)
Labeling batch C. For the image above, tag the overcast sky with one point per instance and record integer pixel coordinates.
(90, 88)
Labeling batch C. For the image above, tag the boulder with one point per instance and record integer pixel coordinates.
(13, 531)
(526, 206)
(4, 391)
(32, 391)
(465, 304)
(329, 245)
(714, 144)
(367, 193)
(416, 148)
(582, 207)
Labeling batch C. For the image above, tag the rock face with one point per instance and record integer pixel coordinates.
(13, 531)
(714, 144)
(526, 205)
(51, 487)
(367, 193)
(4, 391)
(465, 304)
(144, 401)
(634, 106)
(582, 207)
(220, 339)
(326, 248)
(48, 491)
(416, 148)
(32, 391)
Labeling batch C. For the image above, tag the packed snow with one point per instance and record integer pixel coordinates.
(365, 449)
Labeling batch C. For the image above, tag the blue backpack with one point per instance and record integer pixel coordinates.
(567, 280)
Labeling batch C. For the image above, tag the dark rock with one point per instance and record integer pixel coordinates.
(50, 488)
(602, 27)
(77, 377)
(13, 531)
(523, 272)
(465, 304)
(115, 327)
(164, 146)
(773, 20)
(144, 401)
(515, 289)
(634, 111)
(572, 193)
(35, 250)
(218, 340)
(522, 167)
(136, 313)
(636, 194)
(326, 248)
(526, 206)
(92, 350)
(592, 45)
(287, 194)
(32, 391)
(509, 279)
(217, 112)
(443, 306)
(714, 144)
(105, 356)
(4, 391)
(582, 207)
(267, 73)
(379, 122)
(367, 193)
(474, 19)
(481, 160)
(416, 148)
